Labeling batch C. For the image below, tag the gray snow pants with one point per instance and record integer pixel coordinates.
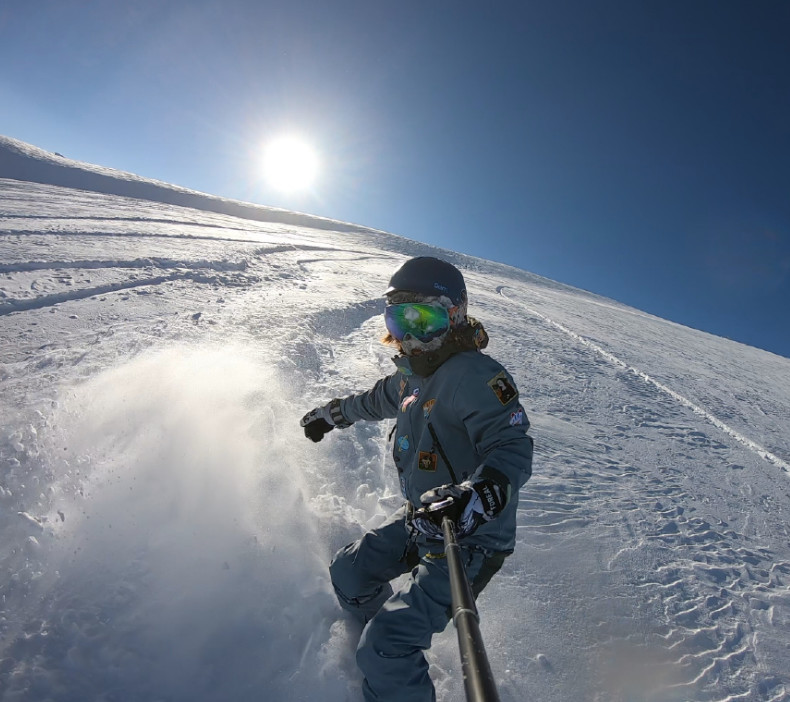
(399, 625)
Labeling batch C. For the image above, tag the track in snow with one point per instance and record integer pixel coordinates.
(748, 443)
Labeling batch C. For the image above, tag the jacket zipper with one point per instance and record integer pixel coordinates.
(439, 448)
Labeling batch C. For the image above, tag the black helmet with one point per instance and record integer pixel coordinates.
(429, 276)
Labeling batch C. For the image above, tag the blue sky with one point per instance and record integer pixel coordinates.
(639, 150)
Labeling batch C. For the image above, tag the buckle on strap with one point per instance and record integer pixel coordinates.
(337, 415)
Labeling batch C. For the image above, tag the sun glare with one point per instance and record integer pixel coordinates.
(289, 164)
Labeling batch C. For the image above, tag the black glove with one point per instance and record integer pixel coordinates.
(322, 420)
(468, 505)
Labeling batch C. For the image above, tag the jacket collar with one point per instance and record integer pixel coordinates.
(470, 337)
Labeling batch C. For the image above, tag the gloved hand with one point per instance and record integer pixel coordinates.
(468, 505)
(322, 420)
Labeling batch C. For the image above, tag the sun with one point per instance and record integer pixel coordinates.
(289, 164)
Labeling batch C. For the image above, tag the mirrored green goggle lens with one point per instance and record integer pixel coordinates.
(422, 321)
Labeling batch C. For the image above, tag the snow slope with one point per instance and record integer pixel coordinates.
(165, 527)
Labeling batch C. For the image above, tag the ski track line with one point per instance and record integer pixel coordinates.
(142, 220)
(50, 300)
(135, 235)
(303, 262)
(745, 441)
(175, 237)
(180, 237)
(152, 262)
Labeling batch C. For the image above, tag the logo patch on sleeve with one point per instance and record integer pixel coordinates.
(427, 461)
(517, 417)
(503, 388)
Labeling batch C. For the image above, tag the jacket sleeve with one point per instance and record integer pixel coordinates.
(380, 402)
(497, 426)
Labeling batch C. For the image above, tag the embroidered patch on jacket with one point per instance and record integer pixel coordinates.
(401, 388)
(409, 400)
(517, 417)
(403, 442)
(427, 407)
(503, 388)
(427, 461)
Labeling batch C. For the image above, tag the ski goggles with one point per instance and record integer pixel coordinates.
(423, 321)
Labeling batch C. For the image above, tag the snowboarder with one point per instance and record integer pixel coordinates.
(461, 450)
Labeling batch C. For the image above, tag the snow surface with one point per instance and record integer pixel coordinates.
(165, 527)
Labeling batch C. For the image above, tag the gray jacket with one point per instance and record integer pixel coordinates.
(462, 420)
